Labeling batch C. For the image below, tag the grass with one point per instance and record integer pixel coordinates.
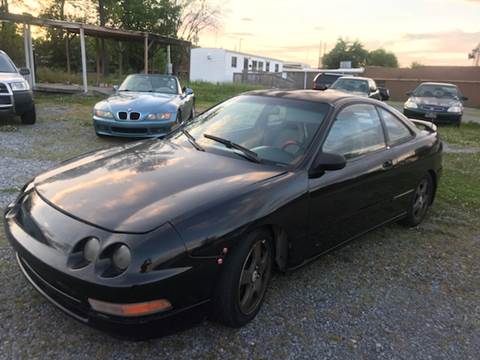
(467, 135)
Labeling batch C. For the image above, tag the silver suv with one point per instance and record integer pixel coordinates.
(15, 93)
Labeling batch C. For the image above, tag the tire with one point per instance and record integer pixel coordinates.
(244, 280)
(29, 117)
(178, 120)
(192, 113)
(421, 201)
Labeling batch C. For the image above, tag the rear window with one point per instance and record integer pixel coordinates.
(326, 79)
(6, 65)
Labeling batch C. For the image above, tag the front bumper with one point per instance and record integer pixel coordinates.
(46, 269)
(133, 129)
(440, 117)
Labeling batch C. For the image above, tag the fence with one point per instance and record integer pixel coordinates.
(285, 80)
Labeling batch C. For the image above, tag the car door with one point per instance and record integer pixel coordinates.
(344, 203)
(404, 155)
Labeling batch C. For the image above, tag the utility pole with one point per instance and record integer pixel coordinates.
(475, 55)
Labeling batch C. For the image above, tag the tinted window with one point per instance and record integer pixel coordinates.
(278, 130)
(351, 85)
(357, 130)
(325, 79)
(396, 130)
(6, 65)
(438, 91)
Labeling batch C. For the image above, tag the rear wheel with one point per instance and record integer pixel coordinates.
(244, 280)
(29, 117)
(421, 201)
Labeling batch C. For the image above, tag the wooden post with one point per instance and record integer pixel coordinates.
(97, 55)
(146, 53)
(84, 60)
(67, 52)
(30, 54)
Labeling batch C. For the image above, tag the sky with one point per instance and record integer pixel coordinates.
(430, 32)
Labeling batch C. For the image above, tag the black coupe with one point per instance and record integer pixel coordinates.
(131, 237)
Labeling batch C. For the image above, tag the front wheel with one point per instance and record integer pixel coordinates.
(192, 113)
(29, 117)
(421, 201)
(244, 280)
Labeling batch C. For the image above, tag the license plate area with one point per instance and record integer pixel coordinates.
(431, 115)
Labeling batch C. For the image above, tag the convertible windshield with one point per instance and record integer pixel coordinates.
(6, 65)
(150, 83)
(273, 129)
(351, 85)
(438, 91)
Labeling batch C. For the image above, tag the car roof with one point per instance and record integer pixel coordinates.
(437, 84)
(355, 77)
(330, 96)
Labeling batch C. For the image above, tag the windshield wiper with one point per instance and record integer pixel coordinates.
(249, 154)
(192, 140)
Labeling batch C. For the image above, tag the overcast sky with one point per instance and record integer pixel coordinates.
(434, 32)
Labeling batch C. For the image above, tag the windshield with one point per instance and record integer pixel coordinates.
(277, 130)
(438, 91)
(351, 85)
(150, 83)
(6, 65)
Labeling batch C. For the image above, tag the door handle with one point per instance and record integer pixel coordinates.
(387, 164)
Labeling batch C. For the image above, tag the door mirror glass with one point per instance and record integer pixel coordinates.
(409, 93)
(115, 88)
(24, 71)
(327, 162)
(384, 93)
(188, 91)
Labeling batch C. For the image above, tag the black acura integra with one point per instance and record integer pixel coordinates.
(129, 238)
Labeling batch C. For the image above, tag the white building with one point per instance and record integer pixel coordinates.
(219, 65)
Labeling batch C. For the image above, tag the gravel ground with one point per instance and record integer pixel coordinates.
(394, 294)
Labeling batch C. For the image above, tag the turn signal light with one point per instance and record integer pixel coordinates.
(134, 309)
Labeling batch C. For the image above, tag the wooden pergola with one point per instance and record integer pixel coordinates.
(88, 30)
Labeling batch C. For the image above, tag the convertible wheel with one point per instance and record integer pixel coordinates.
(192, 114)
(421, 201)
(244, 280)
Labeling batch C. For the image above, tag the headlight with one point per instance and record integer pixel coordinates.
(103, 114)
(410, 104)
(121, 257)
(91, 249)
(455, 109)
(163, 116)
(20, 86)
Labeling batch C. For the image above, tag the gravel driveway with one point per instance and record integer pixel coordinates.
(394, 294)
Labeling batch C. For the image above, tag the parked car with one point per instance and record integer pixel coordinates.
(324, 80)
(144, 106)
(436, 102)
(361, 86)
(130, 237)
(15, 94)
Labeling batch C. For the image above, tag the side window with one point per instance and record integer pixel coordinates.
(357, 130)
(234, 61)
(397, 131)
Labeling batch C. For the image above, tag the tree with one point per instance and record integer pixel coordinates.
(415, 65)
(381, 57)
(198, 16)
(344, 51)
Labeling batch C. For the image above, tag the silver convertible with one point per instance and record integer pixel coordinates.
(144, 106)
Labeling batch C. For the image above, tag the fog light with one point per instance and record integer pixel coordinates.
(135, 309)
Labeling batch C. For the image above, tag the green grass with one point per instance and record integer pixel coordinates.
(459, 185)
(466, 135)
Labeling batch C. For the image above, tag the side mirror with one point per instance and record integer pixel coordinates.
(384, 93)
(326, 162)
(188, 91)
(409, 93)
(115, 88)
(24, 71)
(464, 98)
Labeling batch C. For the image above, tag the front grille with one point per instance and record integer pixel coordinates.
(433, 108)
(5, 100)
(130, 130)
(134, 116)
(3, 88)
(122, 115)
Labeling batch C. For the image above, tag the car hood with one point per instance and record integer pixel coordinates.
(136, 188)
(10, 77)
(447, 102)
(137, 101)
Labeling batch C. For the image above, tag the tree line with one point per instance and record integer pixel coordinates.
(358, 55)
